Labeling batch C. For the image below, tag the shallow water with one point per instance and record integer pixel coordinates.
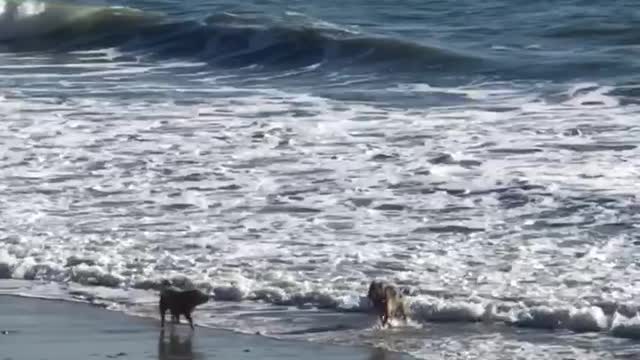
(281, 155)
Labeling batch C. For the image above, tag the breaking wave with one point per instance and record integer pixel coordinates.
(224, 40)
(615, 319)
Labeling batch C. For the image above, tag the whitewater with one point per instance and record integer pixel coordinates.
(281, 155)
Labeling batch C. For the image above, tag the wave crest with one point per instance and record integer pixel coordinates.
(225, 40)
(32, 20)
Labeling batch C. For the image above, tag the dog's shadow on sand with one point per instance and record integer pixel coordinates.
(177, 346)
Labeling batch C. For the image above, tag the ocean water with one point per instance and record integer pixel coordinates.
(483, 155)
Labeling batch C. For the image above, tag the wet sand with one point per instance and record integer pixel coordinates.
(35, 329)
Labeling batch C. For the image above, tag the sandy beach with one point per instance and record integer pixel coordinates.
(35, 329)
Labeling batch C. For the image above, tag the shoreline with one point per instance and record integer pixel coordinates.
(34, 328)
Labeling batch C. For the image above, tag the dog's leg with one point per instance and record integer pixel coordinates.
(385, 316)
(163, 310)
(175, 316)
(403, 312)
(188, 316)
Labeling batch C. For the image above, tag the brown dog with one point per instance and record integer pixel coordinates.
(387, 301)
(180, 302)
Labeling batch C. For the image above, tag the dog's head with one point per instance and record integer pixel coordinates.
(195, 297)
(200, 297)
(376, 291)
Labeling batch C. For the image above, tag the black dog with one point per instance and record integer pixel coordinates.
(180, 302)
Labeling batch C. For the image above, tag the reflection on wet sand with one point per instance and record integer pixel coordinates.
(382, 354)
(177, 346)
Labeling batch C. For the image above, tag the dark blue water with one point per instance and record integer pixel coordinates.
(442, 42)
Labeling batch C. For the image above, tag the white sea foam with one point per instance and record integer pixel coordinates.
(443, 310)
(625, 327)
(272, 200)
(587, 319)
